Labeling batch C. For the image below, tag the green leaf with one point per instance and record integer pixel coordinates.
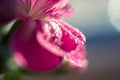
(13, 72)
(1, 66)
(4, 30)
(8, 29)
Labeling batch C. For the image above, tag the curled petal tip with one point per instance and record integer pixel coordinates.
(78, 68)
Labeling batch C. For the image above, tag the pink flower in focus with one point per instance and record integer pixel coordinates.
(43, 40)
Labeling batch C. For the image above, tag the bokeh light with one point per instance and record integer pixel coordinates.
(114, 13)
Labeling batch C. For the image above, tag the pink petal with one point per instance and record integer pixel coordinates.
(80, 68)
(56, 8)
(49, 34)
(73, 42)
(42, 8)
(23, 8)
(64, 39)
(66, 11)
(47, 4)
(28, 53)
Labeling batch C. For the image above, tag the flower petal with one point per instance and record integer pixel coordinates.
(80, 68)
(40, 8)
(73, 42)
(67, 42)
(65, 11)
(28, 53)
(47, 4)
(49, 34)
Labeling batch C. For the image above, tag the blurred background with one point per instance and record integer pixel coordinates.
(99, 20)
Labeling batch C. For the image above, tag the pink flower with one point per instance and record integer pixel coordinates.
(43, 40)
